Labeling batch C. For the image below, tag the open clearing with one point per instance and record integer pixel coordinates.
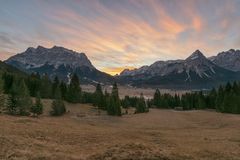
(84, 134)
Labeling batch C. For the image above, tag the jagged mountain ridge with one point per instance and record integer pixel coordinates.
(228, 60)
(58, 61)
(196, 70)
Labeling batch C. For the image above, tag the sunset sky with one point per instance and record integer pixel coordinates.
(117, 34)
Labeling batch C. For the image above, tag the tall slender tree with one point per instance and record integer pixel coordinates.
(74, 90)
(141, 105)
(114, 106)
(24, 99)
(99, 97)
(2, 97)
(58, 106)
(37, 108)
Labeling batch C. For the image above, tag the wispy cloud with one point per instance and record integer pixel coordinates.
(118, 34)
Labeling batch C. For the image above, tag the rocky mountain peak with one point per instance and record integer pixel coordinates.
(55, 56)
(196, 55)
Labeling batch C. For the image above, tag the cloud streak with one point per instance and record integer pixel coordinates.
(118, 34)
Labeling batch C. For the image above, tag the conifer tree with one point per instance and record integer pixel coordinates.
(74, 90)
(126, 102)
(58, 106)
(24, 100)
(219, 99)
(114, 106)
(157, 98)
(37, 108)
(63, 89)
(33, 83)
(2, 98)
(141, 105)
(46, 87)
(8, 81)
(12, 102)
(55, 85)
(99, 97)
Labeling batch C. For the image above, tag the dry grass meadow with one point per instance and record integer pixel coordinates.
(84, 134)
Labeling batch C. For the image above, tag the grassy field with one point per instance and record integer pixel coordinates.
(84, 133)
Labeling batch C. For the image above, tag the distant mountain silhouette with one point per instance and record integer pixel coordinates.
(196, 71)
(58, 61)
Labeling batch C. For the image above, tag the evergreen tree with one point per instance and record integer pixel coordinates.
(8, 81)
(99, 97)
(219, 99)
(126, 102)
(24, 100)
(37, 108)
(58, 106)
(74, 90)
(157, 98)
(34, 83)
(55, 85)
(12, 102)
(114, 106)
(46, 87)
(141, 105)
(2, 98)
(63, 89)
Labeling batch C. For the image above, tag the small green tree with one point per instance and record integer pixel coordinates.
(157, 98)
(2, 97)
(99, 97)
(37, 108)
(114, 105)
(141, 105)
(24, 99)
(58, 106)
(12, 101)
(74, 90)
(46, 87)
(55, 85)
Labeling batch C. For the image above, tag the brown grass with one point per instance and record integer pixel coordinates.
(84, 134)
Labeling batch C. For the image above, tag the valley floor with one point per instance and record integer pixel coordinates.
(83, 133)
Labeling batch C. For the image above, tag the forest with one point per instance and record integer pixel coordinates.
(17, 92)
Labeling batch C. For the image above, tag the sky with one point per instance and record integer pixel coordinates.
(118, 34)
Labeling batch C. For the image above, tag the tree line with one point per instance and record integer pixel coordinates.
(20, 90)
(225, 99)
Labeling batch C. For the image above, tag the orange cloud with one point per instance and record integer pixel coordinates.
(116, 70)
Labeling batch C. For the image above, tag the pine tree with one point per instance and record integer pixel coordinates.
(157, 98)
(126, 102)
(58, 106)
(2, 98)
(12, 102)
(63, 89)
(46, 87)
(24, 100)
(219, 99)
(98, 97)
(33, 83)
(8, 81)
(55, 85)
(37, 108)
(74, 90)
(141, 105)
(114, 105)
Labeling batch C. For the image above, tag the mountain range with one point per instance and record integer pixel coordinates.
(196, 71)
(58, 61)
